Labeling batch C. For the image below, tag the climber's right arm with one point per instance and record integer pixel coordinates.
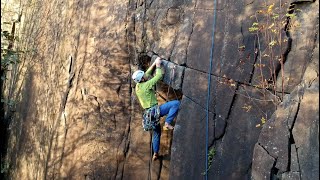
(156, 63)
(152, 82)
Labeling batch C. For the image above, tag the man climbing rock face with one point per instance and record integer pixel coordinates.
(145, 90)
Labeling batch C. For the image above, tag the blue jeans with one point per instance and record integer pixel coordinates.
(171, 110)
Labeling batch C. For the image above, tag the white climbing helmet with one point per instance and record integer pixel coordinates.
(137, 76)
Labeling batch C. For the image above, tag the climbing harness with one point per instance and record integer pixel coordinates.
(151, 118)
(209, 84)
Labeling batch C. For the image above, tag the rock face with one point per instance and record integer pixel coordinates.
(72, 118)
(288, 145)
(239, 104)
(245, 64)
(80, 118)
(290, 137)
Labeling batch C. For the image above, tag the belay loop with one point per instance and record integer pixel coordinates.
(151, 118)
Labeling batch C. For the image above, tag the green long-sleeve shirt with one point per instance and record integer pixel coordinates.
(146, 90)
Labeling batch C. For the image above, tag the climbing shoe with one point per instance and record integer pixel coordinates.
(155, 156)
(167, 126)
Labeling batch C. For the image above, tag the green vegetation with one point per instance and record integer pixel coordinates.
(272, 25)
(271, 22)
(211, 154)
(8, 55)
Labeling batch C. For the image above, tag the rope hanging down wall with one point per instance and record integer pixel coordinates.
(209, 84)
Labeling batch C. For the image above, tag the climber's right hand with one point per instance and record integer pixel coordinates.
(158, 61)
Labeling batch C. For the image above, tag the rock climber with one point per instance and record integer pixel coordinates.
(145, 91)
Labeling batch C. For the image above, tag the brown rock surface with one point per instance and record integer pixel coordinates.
(77, 116)
(73, 118)
(291, 136)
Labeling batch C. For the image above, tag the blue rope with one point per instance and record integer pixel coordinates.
(209, 84)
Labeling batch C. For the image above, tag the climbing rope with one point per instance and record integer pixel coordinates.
(209, 84)
(151, 154)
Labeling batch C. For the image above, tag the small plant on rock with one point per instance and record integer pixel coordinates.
(211, 154)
